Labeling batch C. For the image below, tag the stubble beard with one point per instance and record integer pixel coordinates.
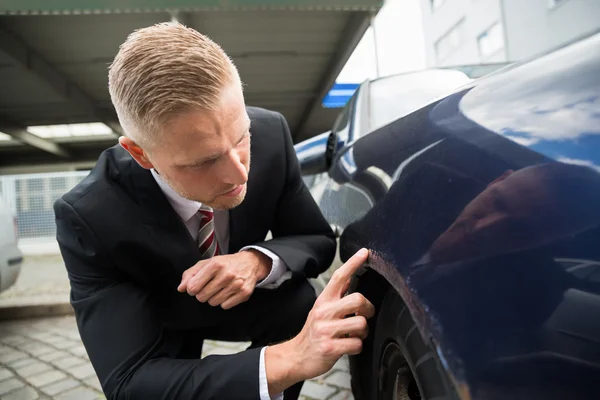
(218, 203)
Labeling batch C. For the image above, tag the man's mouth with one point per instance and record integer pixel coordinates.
(234, 192)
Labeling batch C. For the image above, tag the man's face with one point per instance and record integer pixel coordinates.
(505, 217)
(205, 155)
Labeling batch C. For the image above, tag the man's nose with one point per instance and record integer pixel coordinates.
(234, 170)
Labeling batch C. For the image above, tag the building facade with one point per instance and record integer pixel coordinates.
(459, 32)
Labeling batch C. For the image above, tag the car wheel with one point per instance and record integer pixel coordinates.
(404, 366)
(369, 285)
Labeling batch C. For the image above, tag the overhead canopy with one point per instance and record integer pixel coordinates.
(54, 57)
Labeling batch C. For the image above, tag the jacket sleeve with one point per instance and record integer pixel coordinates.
(302, 237)
(125, 341)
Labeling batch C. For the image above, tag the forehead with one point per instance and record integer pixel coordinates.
(525, 177)
(525, 186)
(199, 133)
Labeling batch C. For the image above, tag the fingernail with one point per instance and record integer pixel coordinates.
(364, 252)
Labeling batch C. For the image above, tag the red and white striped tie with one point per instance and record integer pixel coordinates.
(207, 240)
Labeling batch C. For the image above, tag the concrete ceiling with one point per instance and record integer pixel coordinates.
(54, 58)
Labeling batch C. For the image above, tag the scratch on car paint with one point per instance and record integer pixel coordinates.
(426, 323)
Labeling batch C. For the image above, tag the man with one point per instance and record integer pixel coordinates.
(164, 241)
(520, 210)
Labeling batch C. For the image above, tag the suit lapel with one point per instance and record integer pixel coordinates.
(242, 219)
(237, 220)
(168, 232)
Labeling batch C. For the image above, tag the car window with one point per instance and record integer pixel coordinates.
(396, 96)
(342, 124)
(343, 118)
(309, 180)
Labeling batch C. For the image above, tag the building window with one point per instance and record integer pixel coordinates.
(450, 41)
(554, 3)
(491, 41)
(435, 4)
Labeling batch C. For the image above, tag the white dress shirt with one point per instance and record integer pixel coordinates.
(188, 212)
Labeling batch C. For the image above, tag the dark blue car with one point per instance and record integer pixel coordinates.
(482, 213)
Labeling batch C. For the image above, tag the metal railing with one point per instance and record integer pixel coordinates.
(31, 198)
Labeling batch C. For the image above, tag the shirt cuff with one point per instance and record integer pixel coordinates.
(279, 272)
(262, 377)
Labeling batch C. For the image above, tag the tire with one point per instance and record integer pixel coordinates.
(360, 364)
(404, 366)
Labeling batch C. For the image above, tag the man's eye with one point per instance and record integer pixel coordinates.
(208, 163)
(245, 138)
(203, 164)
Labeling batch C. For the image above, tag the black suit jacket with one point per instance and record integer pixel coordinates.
(125, 250)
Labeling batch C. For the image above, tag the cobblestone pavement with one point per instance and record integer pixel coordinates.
(42, 280)
(45, 359)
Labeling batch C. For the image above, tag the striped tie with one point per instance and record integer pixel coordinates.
(207, 241)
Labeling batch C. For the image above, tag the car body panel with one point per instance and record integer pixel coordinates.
(482, 210)
(10, 255)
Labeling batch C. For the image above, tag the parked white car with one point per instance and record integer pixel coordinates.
(11, 257)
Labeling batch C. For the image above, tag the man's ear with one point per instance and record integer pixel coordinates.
(502, 177)
(136, 152)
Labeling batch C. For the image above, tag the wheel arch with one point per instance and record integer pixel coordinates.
(374, 282)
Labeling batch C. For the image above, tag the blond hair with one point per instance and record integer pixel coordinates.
(164, 70)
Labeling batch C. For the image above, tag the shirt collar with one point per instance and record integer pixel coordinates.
(185, 208)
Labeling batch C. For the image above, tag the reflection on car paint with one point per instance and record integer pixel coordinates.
(563, 122)
(404, 163)
(490, 230)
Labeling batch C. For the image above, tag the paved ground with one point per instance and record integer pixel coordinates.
(42, 280)
(45, 359)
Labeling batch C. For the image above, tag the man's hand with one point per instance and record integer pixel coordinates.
(327, 334)
(227, 280)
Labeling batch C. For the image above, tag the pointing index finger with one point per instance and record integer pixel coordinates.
(339, 280)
